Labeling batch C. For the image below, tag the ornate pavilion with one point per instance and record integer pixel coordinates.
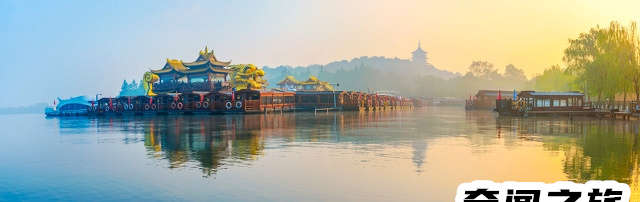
(207, 73)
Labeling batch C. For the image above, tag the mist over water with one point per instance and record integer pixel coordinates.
(419, 155)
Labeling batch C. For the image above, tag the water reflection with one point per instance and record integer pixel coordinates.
(433, 147)
(211, 142)
(206, 141)
(419, 154)
(593, 149)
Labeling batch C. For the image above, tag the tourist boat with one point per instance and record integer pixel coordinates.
(248, 101)
(74, 106)
(486, 99)
(531, 103)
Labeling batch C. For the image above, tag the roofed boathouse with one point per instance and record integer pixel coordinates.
(289, 83)
(207, 73)
(311, 84)
(552, 101)
(486, 99)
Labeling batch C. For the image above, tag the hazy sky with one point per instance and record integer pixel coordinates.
(67, 48)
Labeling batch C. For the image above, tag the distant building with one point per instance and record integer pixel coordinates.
(419, 56)
(486, 99)
(313, 84)
(290, 83)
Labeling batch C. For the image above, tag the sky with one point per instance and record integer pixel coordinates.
(66, 48)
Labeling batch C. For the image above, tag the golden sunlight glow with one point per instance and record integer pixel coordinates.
(529, 34)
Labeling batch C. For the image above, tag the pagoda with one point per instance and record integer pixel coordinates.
(419, 56)
(206, 73)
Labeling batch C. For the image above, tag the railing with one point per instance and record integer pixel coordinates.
(250, 105)
(613, 106)
(187, 87)
(586, 106)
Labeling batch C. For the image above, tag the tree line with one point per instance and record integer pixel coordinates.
(604, 62)
(362, 77)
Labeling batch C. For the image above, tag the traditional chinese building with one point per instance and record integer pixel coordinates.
(486, 99)
(316, 85)
(289, 83)
(311, 84)
(206, 73)
(419, 56)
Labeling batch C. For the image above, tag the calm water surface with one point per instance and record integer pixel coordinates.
(419, 155)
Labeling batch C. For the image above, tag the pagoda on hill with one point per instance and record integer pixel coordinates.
(419, 56)
(207, 73)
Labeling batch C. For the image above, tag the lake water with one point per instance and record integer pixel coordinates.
(419, 155)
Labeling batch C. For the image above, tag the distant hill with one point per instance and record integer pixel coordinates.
(358, 76)
(362, 68)
(34, 108)
(408, 77)
(382, 64)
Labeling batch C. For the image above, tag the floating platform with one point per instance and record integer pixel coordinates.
(239, 102)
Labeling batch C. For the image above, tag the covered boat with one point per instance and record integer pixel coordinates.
(69, 107)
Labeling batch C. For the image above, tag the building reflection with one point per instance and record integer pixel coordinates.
(419, 154)
(211, 142)
(73, 124)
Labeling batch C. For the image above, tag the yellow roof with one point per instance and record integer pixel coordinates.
(204, 57)
(289, 79)
(179, 66)
(176, 64)
(321, 85)
(311, 80)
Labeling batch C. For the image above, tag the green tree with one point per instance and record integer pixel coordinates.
(605, 61)
(511, 72)
(125, 88)
(484, 69)
(554, 79)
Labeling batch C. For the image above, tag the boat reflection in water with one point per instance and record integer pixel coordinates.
(211, 142)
